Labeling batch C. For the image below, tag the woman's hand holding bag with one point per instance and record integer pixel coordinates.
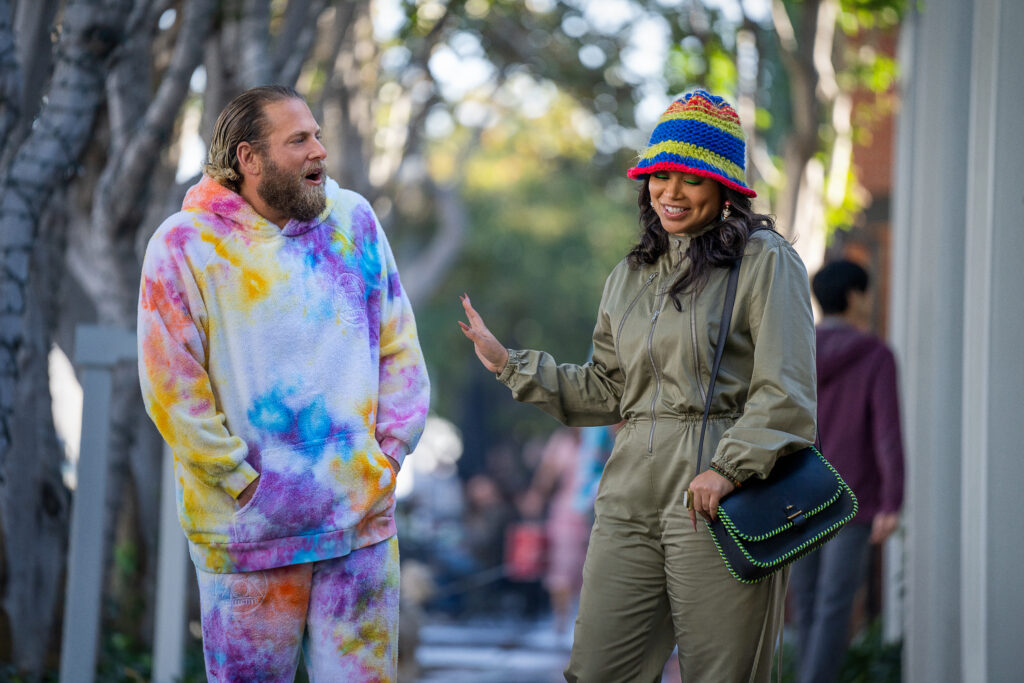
(705, 493)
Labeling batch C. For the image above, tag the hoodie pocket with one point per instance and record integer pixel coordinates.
(378, 474)
(295, 495)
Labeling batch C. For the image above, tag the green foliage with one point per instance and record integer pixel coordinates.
(546, 231)
(126, 558)
(685, 64)
(867, 660)
(124, 659)
(722, 75)
(8, 674)
(887, 7)
(789, 663)
(870, 660)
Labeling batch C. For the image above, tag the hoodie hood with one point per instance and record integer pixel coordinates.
(841, 348)
(209, 196)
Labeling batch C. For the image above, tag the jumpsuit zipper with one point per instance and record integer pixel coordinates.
(657, 376)
(696, 354)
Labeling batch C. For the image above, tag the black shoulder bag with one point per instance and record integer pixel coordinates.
(767, 523)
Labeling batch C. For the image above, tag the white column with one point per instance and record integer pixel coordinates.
(171, 583)
(927, 317)
(992, 550)
(97, 350)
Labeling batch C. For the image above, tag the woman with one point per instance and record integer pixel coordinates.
(652, 578)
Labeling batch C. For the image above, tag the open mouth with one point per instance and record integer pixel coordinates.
(315, 177)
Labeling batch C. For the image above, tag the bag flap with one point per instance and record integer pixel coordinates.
(799, 486)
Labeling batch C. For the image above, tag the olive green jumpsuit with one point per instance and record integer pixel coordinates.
(650, 581)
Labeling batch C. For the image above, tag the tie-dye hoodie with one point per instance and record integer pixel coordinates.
(285, 353)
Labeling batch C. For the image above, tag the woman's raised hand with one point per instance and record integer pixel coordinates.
(488, 349)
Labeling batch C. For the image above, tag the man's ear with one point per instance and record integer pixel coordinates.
(248, 159)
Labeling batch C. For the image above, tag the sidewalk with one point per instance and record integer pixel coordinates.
(491, 650)
(495, 650)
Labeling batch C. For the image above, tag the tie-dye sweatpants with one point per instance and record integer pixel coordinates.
(342, 614)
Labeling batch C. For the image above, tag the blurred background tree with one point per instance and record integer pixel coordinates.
(491, 136)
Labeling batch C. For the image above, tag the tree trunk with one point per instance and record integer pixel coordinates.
(32, 502)
(34, 505)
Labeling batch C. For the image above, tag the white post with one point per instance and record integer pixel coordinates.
(97, 350)
(992, 602)
(928, 277)
(171, 583)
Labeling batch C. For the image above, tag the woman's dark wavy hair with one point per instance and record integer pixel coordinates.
(716, 248)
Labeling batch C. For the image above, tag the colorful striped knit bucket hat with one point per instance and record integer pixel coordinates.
(699, 133)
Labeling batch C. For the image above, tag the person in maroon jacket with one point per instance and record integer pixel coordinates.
(859, 431)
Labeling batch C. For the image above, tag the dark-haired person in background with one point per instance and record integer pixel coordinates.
(859, 423)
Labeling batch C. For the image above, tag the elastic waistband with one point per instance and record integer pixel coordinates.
(687, 417)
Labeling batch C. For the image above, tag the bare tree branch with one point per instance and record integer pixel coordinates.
(422, 277)
(293, 44)
(797, 53)
(130, 66)
(341, 28)
(254, 43)
(33, 25)
(783, 26)
(355, 102)
(129, 172)
(34, 34)
(10, 75)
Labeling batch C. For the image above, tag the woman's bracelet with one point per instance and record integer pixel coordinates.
(718, 470)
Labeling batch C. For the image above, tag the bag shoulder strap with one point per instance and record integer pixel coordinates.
(723, 334)
(778, 580)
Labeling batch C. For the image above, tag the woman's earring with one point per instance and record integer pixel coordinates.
(726, 211)
(652, 203)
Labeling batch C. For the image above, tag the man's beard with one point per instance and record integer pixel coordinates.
(289, 194)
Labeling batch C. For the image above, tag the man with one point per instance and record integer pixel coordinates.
(858, 420)
(278, 357)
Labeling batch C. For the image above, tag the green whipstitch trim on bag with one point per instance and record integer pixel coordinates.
(806, 544)
(728, 565)
(780, 565)
(734, 530)
(794, 554)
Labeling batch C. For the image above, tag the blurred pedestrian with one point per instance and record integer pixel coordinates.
(552, 494)
(486, 518)
(278, 357)
(652, 578)
(859, 421)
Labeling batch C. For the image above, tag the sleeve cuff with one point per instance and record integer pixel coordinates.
(725, 468)
(394, 449)
(236, 480)
(511, 365)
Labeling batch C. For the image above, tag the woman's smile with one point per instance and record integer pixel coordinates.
(684, 202)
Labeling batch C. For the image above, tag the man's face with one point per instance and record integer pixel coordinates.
(292, 178)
